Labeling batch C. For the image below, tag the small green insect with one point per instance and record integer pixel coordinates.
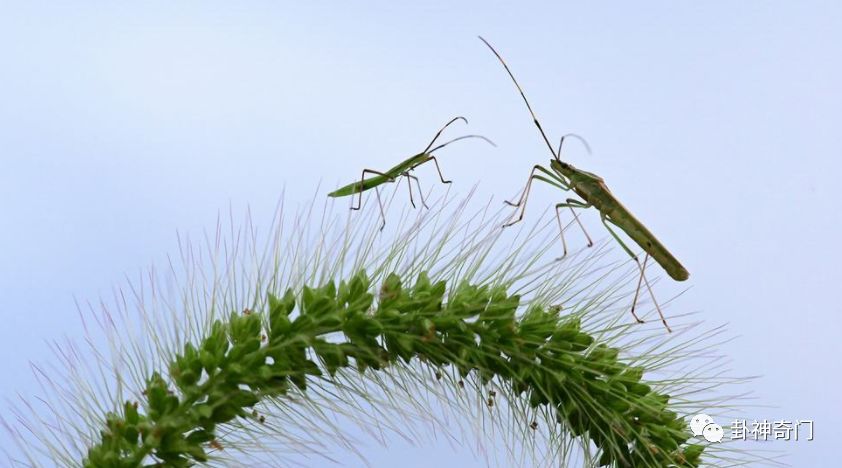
(402, 169)
(595, 193)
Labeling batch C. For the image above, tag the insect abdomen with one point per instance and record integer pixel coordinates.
(357, 187)
(651, 245)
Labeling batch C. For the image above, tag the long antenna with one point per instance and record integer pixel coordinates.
(578, 137)
(438, 134)
(463, 137)
(534, 118)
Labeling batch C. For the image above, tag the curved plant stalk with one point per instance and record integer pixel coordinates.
(548, 361)
(376, 331)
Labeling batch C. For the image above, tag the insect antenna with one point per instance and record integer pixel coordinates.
(512, 76)
(576, 136)
(442, 129)
(463, 137)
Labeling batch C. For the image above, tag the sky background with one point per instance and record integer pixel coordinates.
(717, 123)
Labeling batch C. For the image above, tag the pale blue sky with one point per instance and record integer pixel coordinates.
(716, 122)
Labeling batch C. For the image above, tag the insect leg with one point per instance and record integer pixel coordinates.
(362, 187)
(409, 186)
(418, 185)
(382, 212)
(628, 251)
(561, 232)
(420, 192)
(576, 203)
(571, 203)
(556, 181)
(436, 162)
(553, 180)
(639, 281)
(525, 189)
(642, 274)
(616, 237)
(651, 294)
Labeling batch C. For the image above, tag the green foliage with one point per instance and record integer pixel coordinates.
(545, 359)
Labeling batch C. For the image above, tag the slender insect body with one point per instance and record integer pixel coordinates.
(402, 169)
(595, 193)
(620, 216)
(371, 182)
(651, 245)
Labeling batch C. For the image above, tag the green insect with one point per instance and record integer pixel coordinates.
(402, 169)
(592, 189)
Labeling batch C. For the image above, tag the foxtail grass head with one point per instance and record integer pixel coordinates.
(321, 335)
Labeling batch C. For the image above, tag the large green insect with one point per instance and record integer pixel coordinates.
(402, 169)
(592, 189)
